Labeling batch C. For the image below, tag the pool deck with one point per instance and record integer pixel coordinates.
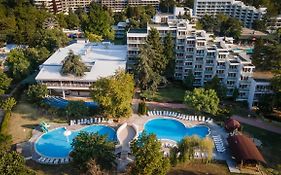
(128, 133)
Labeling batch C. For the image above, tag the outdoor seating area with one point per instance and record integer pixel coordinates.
(54, 161)
(219, 143)
(180, 116)
(200, 155)
(88, 121)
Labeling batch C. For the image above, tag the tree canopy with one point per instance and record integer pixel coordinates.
(5, 82)
(169, 53)
(73, 65)
(149, 158)
(76, 109)
(216, 85)
(87, 146)
(203, 100)
(36, 93)
(114, 94)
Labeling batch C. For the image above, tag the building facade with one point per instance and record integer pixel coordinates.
(274, 24)
(53, 6)
(237, 9)
(201, 53)
(102, 60)
(57, 6)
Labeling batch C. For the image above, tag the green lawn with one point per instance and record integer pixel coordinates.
(271, 143)
(173, 92)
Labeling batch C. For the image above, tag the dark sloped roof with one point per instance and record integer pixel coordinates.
(232, 124)
(243, 148)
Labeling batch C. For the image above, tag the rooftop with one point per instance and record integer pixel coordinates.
(102, 59)
(263, 75)
(143, 30)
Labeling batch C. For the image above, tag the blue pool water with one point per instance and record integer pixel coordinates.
(54, 143)
(173, 129)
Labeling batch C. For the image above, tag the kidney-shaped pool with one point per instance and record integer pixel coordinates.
(174, 130)
(55, 144)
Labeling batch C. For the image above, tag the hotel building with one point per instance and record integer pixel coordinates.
(102, 60)
(237, 9)
(57, 6)
(202, 53)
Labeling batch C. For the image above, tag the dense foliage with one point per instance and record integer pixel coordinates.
(189, 80)
(76, 109)
(222, 25)
(169, 53)
(5, 82)
(8, 104)
(87, 146)
(149, 158)
(36, 93)
(139, 16)
(114, 94)
(73, 65)
(216, 85)
(185, 151)
(142, 108)
(202, 100)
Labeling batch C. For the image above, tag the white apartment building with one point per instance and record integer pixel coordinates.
(57, 6)
(201, 53)
(274, 24)
(102, 60)
(237, 9)
(54, 6)
(260, 85)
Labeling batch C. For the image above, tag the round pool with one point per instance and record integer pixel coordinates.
(174, 130)
(55, 144)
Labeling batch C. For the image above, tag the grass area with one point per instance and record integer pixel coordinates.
(24, 119)
(271, 143)
(173, 92)
(199, 168)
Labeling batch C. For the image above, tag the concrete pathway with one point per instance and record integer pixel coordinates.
(258, 123)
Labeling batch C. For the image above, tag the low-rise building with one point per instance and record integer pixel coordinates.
(260, 85)
(102, 60)
(237, 9)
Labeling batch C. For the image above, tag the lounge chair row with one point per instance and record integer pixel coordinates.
(219, 143)
(180, 116)
(200, 155)
(54, 161)
(87, 121)
(169, 145)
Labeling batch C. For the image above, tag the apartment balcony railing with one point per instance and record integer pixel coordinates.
(233, 70)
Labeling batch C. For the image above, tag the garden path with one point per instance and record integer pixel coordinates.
(258, 123)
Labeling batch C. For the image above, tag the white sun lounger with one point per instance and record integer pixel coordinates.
(66, 160)
(196, 118)
(170, 114)
(203, 119)
(78, 122)
(56, 161)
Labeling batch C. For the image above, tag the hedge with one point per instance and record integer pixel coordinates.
(5, 123)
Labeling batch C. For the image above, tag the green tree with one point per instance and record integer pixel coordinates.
(72, 20)
(5, 83)
(149, 158)
(159, 62)
(36, 93)
(169, 53)
(36, 56)
(207, 145)
(147, 78)
(142, 108)
(8, 104)
(209, 23)
(73, 65)
(18, 65)
(93, 37)
(49, 38)
(259, 25)
(216, 85)
(12, 163)
(202, 100)
(99, 22)
(188, 3)
(187, 147)
(167, 6)
(76, 109)
(266, 103)
(114, 94)
(88, 146)
(189, 80)
(231, 28)
(5, 142)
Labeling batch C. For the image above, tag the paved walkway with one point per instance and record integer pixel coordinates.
(258, 123)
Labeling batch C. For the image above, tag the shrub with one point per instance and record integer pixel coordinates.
(5, 123)
(142, 108)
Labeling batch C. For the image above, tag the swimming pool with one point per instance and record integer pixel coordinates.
(174, 130)
(55, 144)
